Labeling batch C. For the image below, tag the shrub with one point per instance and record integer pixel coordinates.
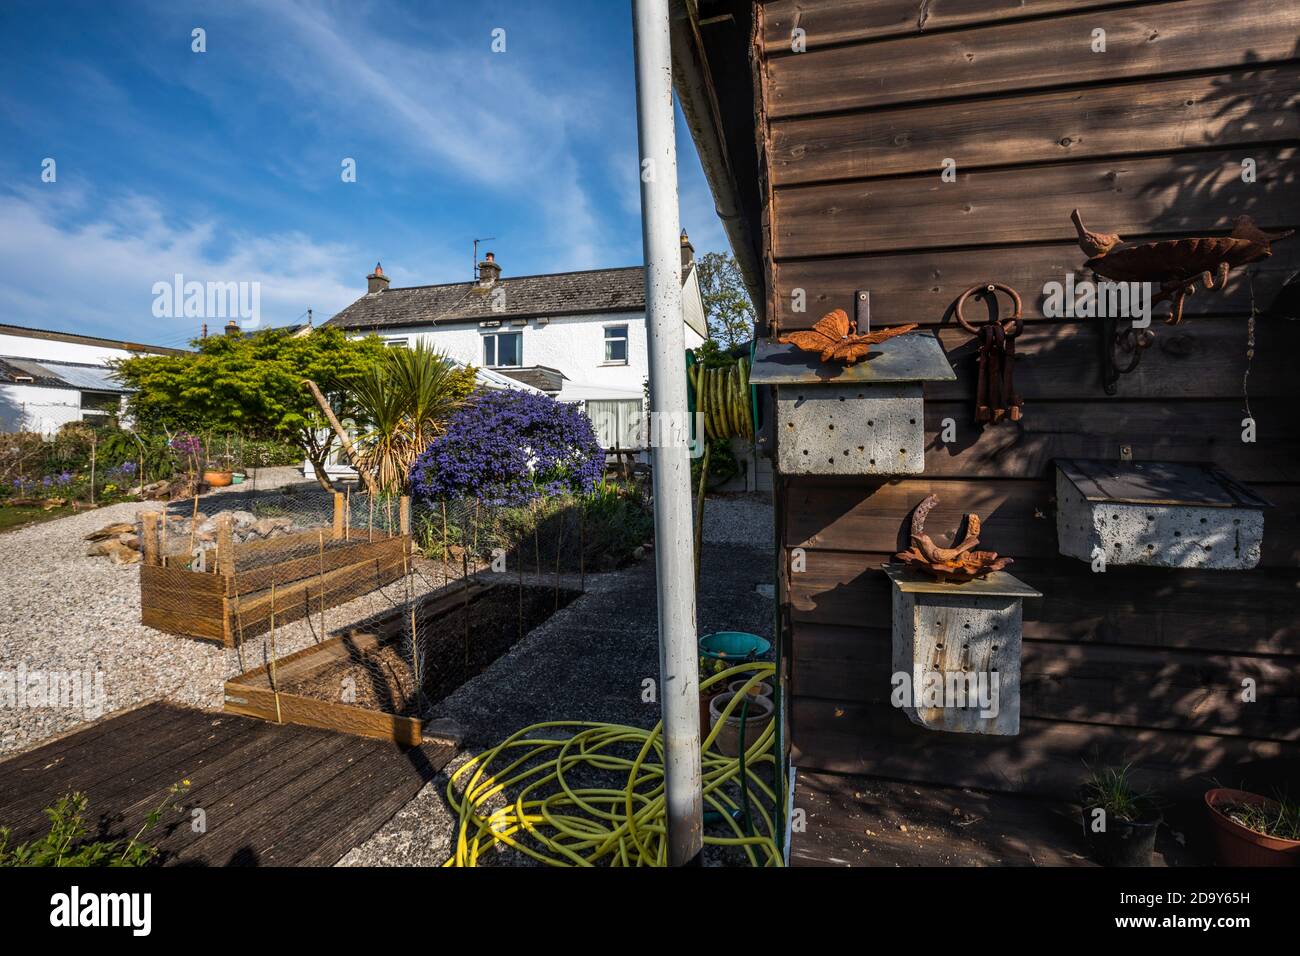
(510, 448)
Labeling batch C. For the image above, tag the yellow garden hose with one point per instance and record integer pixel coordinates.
(559, 824)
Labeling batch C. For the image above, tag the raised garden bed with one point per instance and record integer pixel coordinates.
(363, 682)
(245, 587)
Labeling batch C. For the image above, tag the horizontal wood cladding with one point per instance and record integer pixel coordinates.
(1141, 41)
(1088, 683)
(1017, 516)
(1047, 757)
(1195, 112)
(1200, 358)
(1153, 431)
(921, 286)
(827, 22)
(1247, 612)
(1179, 194)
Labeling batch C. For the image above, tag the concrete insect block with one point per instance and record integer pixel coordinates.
(850, 429)
(1161, 514)
(956, 651)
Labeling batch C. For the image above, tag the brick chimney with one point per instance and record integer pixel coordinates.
(488, 270)
(232, 328)
(377, 281)
(688, 251)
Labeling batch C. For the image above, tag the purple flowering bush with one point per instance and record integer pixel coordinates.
(510, 448)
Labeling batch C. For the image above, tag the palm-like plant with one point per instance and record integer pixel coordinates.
(403, 403)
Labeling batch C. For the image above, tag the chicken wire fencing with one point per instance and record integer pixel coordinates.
(364, 601)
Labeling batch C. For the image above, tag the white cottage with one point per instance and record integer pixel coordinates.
(48, 379)
(577, 336)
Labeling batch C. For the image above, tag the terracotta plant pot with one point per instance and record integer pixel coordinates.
(728, 741)
(218, 479)
(1124, 842)
(1238, 845)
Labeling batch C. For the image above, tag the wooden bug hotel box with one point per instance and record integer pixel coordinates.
(862, 419)
(958, 637)
(1161, 514)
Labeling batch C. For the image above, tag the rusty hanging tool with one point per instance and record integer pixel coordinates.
(995, 396)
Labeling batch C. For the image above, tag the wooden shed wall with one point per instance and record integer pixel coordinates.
(1147, 139)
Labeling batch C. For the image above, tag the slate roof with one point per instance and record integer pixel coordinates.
(565, 293)
(48, 374)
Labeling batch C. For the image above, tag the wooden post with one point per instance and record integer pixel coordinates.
(149, 538)
(404, 516)
(338, 514)
(225, 545)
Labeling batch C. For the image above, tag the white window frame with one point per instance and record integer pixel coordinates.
(625, 339)
(496, 348)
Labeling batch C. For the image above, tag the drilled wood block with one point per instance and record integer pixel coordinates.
(956, 652)
(850, 429)
(1157, 513)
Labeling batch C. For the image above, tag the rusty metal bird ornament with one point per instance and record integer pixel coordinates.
(835, 338)
(1176, 265)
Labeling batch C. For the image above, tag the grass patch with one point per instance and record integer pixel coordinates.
(20, 516)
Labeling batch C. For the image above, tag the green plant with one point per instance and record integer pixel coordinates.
(403, 403)
(254, 385)
(66, 845)
(1111, 789)
(1280, 819)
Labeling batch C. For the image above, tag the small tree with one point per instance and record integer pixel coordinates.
(254, 384)
(727, 308)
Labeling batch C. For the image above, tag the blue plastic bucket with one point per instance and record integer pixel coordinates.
(734, 646)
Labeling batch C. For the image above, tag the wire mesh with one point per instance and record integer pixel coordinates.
(356, 600)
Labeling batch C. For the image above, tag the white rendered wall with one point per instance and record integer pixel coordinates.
(31, 408)
(21, 346)
(575, 345)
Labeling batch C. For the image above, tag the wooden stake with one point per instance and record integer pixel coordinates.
(149, 538)
(403, 516)
(225, 546)
(338, 514)
(93, 443)
(582, 547)
(275, 684)
(347, 516)
(559, 539)
(322, 584)
(464, 567)
(370, 519)
(194, 522)
(446, 548)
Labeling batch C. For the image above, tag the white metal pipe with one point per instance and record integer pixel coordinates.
(670, 460)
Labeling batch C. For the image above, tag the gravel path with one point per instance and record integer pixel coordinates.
(744, 518)
(64, 613)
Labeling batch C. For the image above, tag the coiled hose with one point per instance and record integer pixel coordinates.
(560, 824)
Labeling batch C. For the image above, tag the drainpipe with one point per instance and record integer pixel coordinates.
(670, 459)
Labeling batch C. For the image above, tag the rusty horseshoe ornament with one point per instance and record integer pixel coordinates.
(995, 395)
(958, 563)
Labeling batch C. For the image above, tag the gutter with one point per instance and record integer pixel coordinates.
(693, 84)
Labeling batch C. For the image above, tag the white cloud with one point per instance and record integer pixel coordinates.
(97, 275)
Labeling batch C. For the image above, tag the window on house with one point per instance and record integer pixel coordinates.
(617, 423)
(397, 343)
(503, 350)
(616, 344)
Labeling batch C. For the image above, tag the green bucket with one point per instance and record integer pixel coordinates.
(734, 646)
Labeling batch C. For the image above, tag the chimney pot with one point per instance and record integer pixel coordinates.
(232, 327)
(377, 281)
(489, 271)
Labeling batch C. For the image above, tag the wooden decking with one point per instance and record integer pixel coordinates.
(869, 821)
(270, 794)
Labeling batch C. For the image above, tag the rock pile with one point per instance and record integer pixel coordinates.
(121, 541)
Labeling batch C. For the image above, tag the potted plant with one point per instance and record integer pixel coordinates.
(1252, 830)
(1119, 822)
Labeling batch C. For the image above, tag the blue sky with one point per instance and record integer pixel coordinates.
(226, 165)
